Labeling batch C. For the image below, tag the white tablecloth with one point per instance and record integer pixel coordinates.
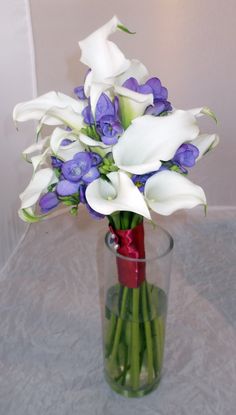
(50, 330)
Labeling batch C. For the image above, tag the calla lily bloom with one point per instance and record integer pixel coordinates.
(65, 152)
(39, 184)
(150, 140)
(132, 104)
(101, 55)
(53, 108)
(168, 191)
(205, 143)
(165, 192)
(117, 194)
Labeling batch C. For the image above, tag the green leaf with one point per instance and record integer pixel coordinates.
(125, 29)
(207, 111)
(74, 211)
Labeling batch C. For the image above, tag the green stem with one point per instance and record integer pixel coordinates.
(134, 372)
(119, 325)
(110, 334)
(148, 333)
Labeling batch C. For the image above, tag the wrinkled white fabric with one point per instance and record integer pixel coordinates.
(17, 83)
(50, 329)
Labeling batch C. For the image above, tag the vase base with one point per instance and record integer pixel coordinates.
(128, 392)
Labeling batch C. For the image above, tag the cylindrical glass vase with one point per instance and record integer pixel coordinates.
(134, 319)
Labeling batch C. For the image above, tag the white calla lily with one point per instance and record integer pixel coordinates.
(205, 143)
(39, 183)
(132, 104)
(53, 108)
(168, 191)
(120, 194)
(40, 159)
(101, 55)
(90, 142)
(35, 148)
(136, 70)
(199, 112)
(95, 89)
(65, 152)
(150, 140)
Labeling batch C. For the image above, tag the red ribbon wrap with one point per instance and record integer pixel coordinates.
(131, 244)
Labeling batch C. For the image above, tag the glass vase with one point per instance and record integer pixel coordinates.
(134, 319)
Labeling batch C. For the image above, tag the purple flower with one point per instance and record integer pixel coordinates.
(79, 92)
(185, 156)
(95, 158)
(110, 130)
(56, 163)
(48, 202)
(140, 180)
(158, 107)
(74, 170)
(67, 188)
(107, 121)
(77, 173)
(82, 197)
(92, 174)
(88, 116)
(152, 86)
(94, 213)
(104, 108)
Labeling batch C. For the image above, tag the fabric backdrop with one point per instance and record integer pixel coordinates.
(17, 83)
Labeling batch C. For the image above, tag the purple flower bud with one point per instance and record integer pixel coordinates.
(95, 158)
(79, 92)
(104, 107)
(67, 188)
(186, 156)
(56, 163)
(93, 213)
(88, 116)
(82, 197)
(48, 202)
(140, 180)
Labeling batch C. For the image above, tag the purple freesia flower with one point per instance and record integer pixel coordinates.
(56, 163)
(106, 119)
(185, 156)
(87, 114)
(152, 86)
(110, 130)
(95, 158)
(94, 213)
(140, 180)
(79, 92)
(67, 188)
(77, 173)
(48, 202)
(73, 170)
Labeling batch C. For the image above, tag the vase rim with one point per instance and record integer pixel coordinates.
(112, 246)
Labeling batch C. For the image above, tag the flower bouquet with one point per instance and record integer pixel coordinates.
(121, 149)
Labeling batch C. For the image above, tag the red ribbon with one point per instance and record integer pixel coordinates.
(130, 244)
